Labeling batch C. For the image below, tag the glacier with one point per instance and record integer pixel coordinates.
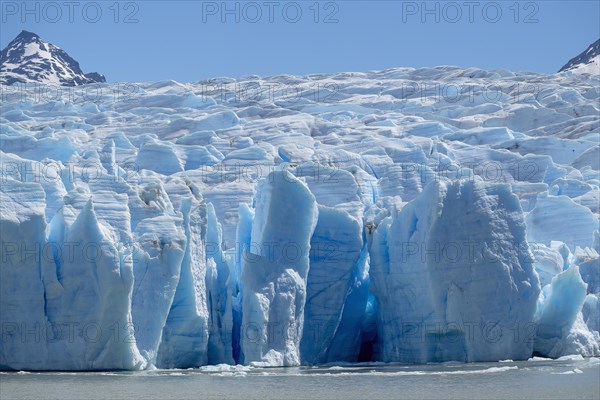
(405, 215)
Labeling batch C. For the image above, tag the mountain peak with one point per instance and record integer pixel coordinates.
(29, 35)
(29, 59)
(586, 62)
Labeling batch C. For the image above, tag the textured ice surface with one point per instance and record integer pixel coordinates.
(335, 248)
(548, 262)
(62, 310)
(335, 217)
(157, 266)
(579, 231)
(275, 270)
(440, 264)
(561, 328)
(183, 342)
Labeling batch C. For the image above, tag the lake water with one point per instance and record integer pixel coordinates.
(535, 379)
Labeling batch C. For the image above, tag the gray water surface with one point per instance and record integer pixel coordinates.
(539, 379)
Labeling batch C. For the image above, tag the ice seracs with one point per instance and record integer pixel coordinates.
(335, 246)
(22, 301)
(183, 341)
(439, 266)
(186, 225)
(157, 267)
(561, 328)
(275, 271)
(578, 232)
(66, 298)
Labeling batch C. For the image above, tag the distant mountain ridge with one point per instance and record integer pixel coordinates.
(29, 59)
(586, 62)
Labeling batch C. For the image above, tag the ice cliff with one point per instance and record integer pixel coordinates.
(407, 215)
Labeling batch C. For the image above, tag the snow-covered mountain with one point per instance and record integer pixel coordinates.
(407, 215)
(29, 59)
(588, 62)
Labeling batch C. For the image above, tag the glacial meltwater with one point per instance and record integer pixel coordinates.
(538, 378)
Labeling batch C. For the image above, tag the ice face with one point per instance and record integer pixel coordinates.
(373, 222)
(335, 247)
(157, 268)
(275, 271)
(561, 328)
(439, 265)
(22, 299)
(184, 335)
(219, 294)
(76, 308)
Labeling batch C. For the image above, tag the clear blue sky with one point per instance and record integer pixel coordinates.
(188, 40)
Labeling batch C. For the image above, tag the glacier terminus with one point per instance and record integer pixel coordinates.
(405, 215)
